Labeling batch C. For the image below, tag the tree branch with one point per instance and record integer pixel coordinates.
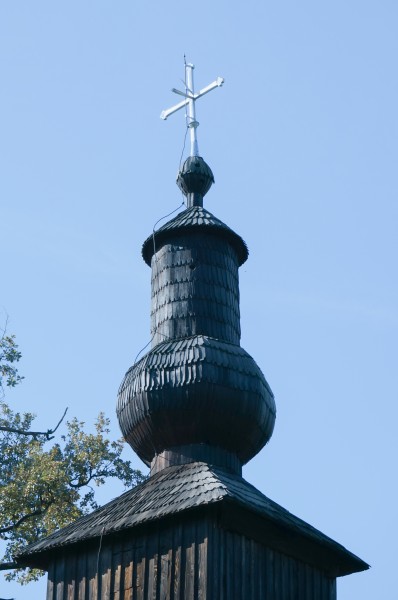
(4, 566)
(35, 434)
(83, 482)
(35, 513)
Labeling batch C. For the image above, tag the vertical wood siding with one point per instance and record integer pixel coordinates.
(194, 560)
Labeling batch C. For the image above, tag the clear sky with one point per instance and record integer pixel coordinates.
(302, 139)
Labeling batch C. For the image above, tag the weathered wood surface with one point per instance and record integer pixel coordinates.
(196, 385)
(191, 221)
(196, 390)
(192, 560)
(179, 491)
(195, 290)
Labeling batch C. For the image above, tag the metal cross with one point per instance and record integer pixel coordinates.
(190, 99)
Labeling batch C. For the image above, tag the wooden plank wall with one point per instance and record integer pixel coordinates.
(168, 563)
(242, 569)
(192, 560)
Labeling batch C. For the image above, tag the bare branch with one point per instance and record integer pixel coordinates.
(48, 435)
(50, 431)
(4, 329)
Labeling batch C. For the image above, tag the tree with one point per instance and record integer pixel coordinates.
(45, 482)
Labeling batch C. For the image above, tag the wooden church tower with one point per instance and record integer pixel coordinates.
(195, 409)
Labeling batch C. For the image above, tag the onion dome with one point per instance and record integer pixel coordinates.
(196, 390)
(195, 179)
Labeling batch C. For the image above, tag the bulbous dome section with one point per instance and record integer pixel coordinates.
(196, 390)
(195, 179)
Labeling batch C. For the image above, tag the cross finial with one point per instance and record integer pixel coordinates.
(189, 102)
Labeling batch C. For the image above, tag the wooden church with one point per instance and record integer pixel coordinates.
(195, 409)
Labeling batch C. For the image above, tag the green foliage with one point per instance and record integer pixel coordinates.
(47, 483)
(9, 355)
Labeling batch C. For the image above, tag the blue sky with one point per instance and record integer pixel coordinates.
(302, 139)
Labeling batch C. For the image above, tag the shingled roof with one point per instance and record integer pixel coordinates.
(177, 489)
(195, 218)
(197, 358)
(168, 399)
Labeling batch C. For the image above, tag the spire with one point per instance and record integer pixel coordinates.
(195, 178)
(196, 395)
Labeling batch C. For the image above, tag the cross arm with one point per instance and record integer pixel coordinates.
(217, 83)
(166, 113)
